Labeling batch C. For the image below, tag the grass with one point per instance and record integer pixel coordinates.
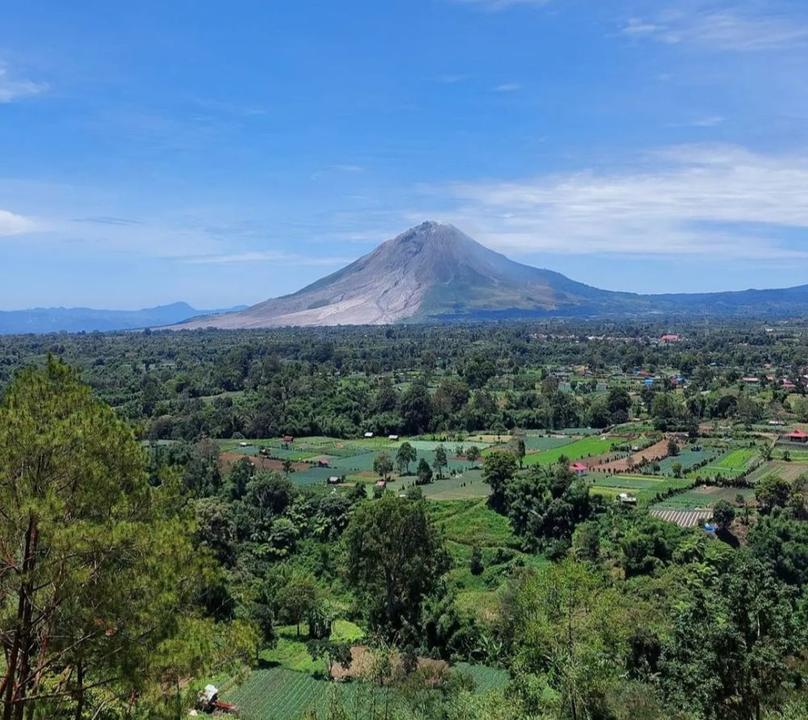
(645, 488)
(468, 485)
(472, 522)
(290, 651)
(585, 447)
(538, 443)
(687, 458)
(730, 465)
(786, 470)
(485, 678)
(636, 482)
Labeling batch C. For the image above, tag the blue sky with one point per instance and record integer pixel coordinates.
(223, 153)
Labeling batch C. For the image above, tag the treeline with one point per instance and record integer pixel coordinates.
(413, 379)
(127, 579)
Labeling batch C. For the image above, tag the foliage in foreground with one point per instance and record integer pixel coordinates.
(98, 572)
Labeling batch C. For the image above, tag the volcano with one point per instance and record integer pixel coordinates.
(436, 273)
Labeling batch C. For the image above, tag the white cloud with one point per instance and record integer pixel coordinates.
(729, 26)
(14, 89)
(13, 224)
(509, 87)
(695, 200)
(708, 121)
(451, 79)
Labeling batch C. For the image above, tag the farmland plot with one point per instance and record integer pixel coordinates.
(730, 465)
(786, 470)
(580, 449)
(688, 459)
(702, 498)
(469, 484)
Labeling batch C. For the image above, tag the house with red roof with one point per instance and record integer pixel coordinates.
(579, 468)
(797, 436)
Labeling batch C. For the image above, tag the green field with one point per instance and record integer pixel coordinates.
(585, 447)
(635, 482)
(688, 459)
(730, 465)
(467, 485)
(645, 488)
(290, 651)
(538, 443)
(786, 470)
(276, 693)
(472, 522)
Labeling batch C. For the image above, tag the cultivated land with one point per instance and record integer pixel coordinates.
(703, 498)
(288, 539)
(787, 470)
(576, 450)
(731, 464)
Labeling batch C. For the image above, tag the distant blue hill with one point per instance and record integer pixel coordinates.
(59, 319)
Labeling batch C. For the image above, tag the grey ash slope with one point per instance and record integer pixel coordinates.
(436, 272)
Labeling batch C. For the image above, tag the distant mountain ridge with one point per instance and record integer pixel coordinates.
(434, 272)
(59, 319)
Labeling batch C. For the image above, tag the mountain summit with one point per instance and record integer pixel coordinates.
(430, 271)
(436, 272)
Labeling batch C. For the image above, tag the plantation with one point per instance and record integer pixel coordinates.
(787, 470)
(687, 459)
(731, 464)
(465, 485)
(702, 498)
(583, 448)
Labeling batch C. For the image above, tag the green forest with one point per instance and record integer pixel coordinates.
(539, 521)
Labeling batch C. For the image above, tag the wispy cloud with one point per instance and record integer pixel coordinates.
(451, 79)
(707, 121)
(697, 200)
(268, 256)
(727, 26)
(13, 88)
(107, 220)
(13, 224)
(509, 87)
(704, 121)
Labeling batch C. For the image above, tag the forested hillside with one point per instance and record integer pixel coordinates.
(556, 521)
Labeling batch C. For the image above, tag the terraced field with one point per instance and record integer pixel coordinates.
(280, 694)
(786, 470)
(537, 443)
(471, 522)
(644, 487)
(688, 459)
(468, 485)
(702, 498)
(577, 450)
(730, 465)
(683, 518)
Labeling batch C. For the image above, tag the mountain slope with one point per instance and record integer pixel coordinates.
(435, 272)
(428, 271)
(46, 320)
